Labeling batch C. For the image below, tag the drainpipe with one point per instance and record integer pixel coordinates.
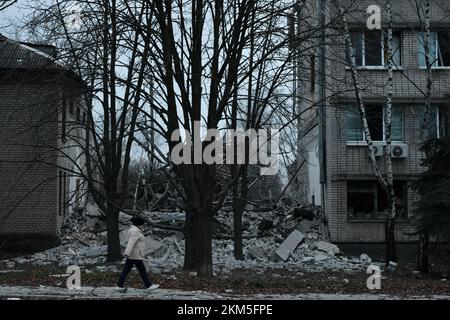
(322, 95)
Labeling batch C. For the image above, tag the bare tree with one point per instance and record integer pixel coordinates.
(107, 51)
(384, 178)
(6, 4)
(199, 62)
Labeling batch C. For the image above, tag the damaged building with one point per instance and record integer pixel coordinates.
(41, 145)
(337, 173)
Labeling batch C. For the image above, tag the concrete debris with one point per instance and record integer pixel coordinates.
(364, 257)
(271, 239)
(392, 266)
(304, 226)
(151, 246)
(94, 252)
(289, 244)
(12, 271)
(327, 247)
(255, 252)
(321, 257)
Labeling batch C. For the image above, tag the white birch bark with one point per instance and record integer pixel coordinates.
(359, 99)
(428, 64)
(388, 117)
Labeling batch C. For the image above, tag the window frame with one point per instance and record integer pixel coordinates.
(421, 51)
(64, 119)
(383, 64)
(376, 194)
(440, 123)
(363, 141)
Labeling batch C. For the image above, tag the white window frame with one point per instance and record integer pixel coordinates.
(383, 63)
(383, 142)
(435, 64)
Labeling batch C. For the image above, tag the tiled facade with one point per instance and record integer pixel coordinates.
(344, 162)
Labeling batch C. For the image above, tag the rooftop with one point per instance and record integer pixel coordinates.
(21, 55)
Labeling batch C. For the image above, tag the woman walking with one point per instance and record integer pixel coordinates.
(134, 255)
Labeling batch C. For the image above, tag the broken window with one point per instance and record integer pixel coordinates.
(374, 115)
(443, 121)
(439, 48)
(375, 122)
(367, 200)
(438, 121)
(371, 48)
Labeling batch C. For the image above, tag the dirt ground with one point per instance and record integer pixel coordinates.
(275, 281)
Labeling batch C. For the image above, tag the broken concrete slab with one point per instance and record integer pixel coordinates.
(95, 252)
(289, 245)
(151, 246)
(327, 247)
(321, 257)
(256, 253)
(304, 226)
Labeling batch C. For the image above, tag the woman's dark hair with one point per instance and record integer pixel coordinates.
(138, 221)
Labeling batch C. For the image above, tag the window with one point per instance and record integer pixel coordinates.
(438, 121)
(439, 49)
(77, 193)
(312, 71)
(353, 125)
(62, 190)
(63, 118)
(71, 103)
(367, 200)
(375, 120)
(371, 48)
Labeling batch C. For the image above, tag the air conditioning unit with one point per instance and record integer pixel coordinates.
(399, 150)
(378, 149)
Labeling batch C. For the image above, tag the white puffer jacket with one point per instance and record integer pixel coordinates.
(135, 249)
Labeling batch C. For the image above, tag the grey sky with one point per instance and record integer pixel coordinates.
(13, 16)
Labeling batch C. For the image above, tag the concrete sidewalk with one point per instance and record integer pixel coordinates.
(109, 293)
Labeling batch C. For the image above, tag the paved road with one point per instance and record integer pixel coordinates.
(91, 293)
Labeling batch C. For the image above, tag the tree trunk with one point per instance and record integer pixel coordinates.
(391, 254)
(112, 227)
(190, 248)
(240, 200)
(203, 243)
(238, 210)
(391, 250)
(422, 257)
(199, 186)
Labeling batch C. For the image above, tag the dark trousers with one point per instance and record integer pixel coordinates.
(141, 268)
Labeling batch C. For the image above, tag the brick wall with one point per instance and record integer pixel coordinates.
(344, 162)
(30, 157)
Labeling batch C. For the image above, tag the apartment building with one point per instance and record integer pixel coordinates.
(337, 172)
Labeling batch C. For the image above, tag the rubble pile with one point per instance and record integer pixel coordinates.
(296, 239)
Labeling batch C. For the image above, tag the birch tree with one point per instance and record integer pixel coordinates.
(422, 256)
(383, 175)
